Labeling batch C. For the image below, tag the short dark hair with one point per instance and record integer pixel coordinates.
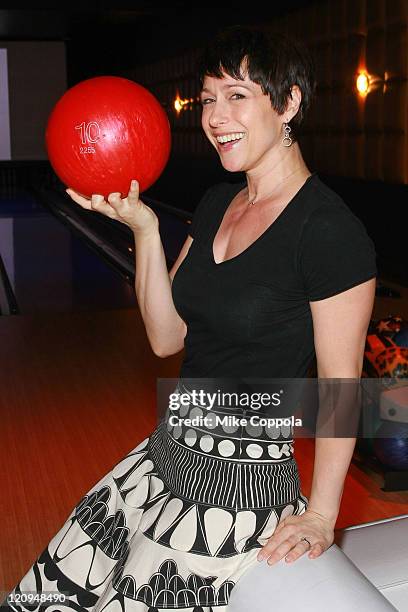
(273, 61)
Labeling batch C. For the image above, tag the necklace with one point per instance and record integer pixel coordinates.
(253, 200)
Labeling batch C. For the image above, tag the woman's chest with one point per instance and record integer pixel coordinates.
(251, 292)
(240, 228)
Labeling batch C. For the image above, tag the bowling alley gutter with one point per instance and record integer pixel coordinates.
(58, 207)
(8, 302)
(100, 244)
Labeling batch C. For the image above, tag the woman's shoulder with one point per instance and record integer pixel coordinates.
(320, 195)
(329, 219)
(323, 206)
(335, 250)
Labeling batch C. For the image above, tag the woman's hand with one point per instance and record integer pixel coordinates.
(287, 542)
(131, 210)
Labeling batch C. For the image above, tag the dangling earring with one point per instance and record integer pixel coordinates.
(286, 141)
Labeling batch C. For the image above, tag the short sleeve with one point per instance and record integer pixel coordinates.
(201, 212)
(335, 253)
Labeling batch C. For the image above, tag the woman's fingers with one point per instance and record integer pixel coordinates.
(96, 200)
(288, 541)
(300, 549)
(277, 548)
(84, 202)
(129, 210)
(99, 204)
(316, 550)
(133, 195)
(114, 199)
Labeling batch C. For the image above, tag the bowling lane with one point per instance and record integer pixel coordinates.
(60, 258)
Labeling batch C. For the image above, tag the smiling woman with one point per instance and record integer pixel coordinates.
(274, 270)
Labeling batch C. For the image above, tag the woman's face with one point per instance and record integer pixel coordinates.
(240, 109)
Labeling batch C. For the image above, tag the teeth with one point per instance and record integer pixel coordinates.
(230, 137)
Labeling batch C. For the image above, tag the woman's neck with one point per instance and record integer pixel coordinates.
(274, 175)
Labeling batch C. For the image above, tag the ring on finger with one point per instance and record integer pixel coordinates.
(306, 540)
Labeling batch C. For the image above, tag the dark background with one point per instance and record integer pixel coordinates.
(107, 40)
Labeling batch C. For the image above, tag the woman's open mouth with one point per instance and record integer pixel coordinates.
(226, 143)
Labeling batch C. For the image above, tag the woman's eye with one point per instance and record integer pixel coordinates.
(206, 101)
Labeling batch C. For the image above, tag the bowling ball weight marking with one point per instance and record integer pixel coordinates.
(87, 137)
(86, 132)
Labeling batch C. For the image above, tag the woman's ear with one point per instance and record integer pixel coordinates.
(294, 100)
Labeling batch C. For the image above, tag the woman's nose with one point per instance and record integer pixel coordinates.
(218, 114)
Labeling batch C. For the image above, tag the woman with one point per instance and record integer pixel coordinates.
(275, 270)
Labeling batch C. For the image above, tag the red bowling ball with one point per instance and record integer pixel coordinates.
(104, 132)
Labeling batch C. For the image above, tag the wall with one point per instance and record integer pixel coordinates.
(36, 80)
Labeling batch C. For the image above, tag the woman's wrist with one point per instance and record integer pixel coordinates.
(145, 233)
(328, 516)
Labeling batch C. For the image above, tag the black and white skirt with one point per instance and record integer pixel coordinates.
(174, 525)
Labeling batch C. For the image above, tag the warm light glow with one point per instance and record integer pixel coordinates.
(180, 104)
(385, 84)
(363, 83)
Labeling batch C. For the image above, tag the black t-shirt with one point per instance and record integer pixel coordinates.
(250, 316)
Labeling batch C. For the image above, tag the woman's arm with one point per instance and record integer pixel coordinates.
(164, 326)
(340, 327)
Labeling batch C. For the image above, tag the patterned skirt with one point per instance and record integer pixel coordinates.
(176, 522)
